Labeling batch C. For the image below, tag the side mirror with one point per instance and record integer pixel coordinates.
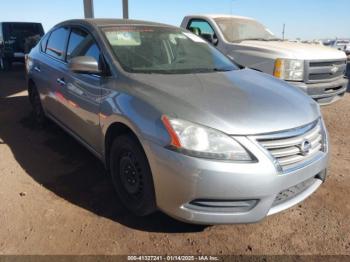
(210, 38)
(84, 64)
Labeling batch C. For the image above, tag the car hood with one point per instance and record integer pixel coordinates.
(295, 50)
(239, 102)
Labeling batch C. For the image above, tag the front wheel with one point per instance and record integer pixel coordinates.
(131, 175)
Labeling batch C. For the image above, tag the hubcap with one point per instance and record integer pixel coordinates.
(130, 175)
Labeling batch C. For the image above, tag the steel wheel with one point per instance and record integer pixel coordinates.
(131, 175)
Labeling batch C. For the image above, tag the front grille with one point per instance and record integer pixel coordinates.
(326, 63)
(325, 71)
(324, 76)
(295, 147)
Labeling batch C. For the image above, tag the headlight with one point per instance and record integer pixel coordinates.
(289, 69)
(200, 141)
(325, 145)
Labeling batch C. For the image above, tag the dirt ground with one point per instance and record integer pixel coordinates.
(56, 199)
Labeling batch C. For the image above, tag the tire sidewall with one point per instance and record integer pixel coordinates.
(38, 110)
(146, 204)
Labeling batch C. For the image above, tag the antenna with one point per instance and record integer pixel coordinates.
(283, 31)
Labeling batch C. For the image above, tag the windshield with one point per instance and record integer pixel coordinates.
(239, 29)
(162, 50)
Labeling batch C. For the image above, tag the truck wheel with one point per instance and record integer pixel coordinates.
(38, 111)
(5, 64)
(131, 175)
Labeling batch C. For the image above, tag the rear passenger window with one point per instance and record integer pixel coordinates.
(44, 42)
(82, 43)
(57, 42)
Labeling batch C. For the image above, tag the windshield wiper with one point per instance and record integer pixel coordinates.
(262, 39)
(274, 39)
(255, 39)
(222, 69)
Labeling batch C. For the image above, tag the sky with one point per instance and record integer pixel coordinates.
(305, 19)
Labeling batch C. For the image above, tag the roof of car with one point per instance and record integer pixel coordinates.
(100, 22)
(213, 16)
(9, 22)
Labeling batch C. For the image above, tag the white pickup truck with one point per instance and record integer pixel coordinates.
(319, 71)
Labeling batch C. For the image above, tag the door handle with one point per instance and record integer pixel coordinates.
(37, 69)
(61, 81)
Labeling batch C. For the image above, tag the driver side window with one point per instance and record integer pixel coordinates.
(203, 29)
(203, 26)
(82, 43)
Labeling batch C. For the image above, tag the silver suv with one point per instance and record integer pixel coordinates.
(179, 126)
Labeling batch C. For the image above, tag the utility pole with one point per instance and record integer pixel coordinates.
(88, 9)
(126, 9)
(283, 31)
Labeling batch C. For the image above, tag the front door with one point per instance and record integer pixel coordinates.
(81, 91)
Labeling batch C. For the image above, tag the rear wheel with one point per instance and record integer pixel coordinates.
(5, 64)
(131, 175)
(38, 111)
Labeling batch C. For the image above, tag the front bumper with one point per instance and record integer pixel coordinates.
(324, 93)
(185, 185)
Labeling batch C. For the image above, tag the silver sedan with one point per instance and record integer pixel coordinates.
(179, 126)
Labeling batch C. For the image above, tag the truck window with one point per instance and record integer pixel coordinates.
(200, 27)
(19, 31)
(57, 43)
(239, 29)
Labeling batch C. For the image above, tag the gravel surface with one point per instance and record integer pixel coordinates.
(55, 198)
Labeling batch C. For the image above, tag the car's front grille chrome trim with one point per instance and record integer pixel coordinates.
(318, 71)
(295, 147)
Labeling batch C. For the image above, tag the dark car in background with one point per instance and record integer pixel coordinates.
(16, 40)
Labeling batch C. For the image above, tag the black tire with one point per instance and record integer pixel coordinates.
(38, 111)
(131, 175)
(5, 64)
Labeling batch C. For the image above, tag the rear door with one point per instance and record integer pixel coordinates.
(49, 69)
